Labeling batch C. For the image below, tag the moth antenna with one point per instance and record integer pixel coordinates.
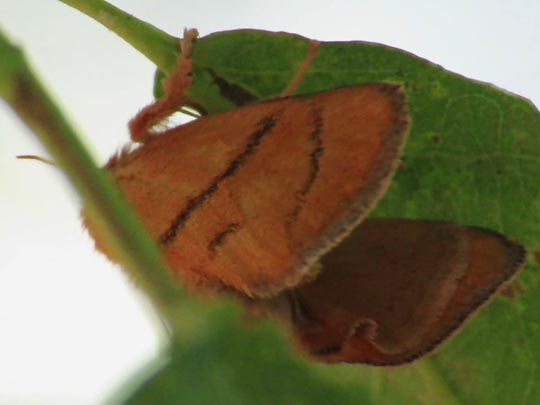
(39, 158)
(302, 69)
(186, 43)
(175, 85)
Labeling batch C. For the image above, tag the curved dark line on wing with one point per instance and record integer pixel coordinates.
(314, 162)
(194, 203)
(220, 237)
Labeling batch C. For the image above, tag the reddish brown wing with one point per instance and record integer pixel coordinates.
(395, 289)
(250, 198)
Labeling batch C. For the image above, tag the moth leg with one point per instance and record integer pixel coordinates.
(174, 85)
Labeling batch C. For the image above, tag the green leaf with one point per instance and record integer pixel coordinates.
(472, 157)
(232, 364)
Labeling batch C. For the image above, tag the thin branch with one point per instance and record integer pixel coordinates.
(130, 244)
(158, 46)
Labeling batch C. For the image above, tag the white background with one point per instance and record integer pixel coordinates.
(71, 325)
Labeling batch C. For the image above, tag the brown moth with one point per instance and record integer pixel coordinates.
(250, 199)
(395, 289)
(256, 200)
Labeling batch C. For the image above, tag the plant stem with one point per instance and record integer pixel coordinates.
(158, 46)
(130, 244)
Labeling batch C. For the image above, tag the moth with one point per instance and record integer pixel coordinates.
(270, 201)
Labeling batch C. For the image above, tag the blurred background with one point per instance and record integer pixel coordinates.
(72, 327)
